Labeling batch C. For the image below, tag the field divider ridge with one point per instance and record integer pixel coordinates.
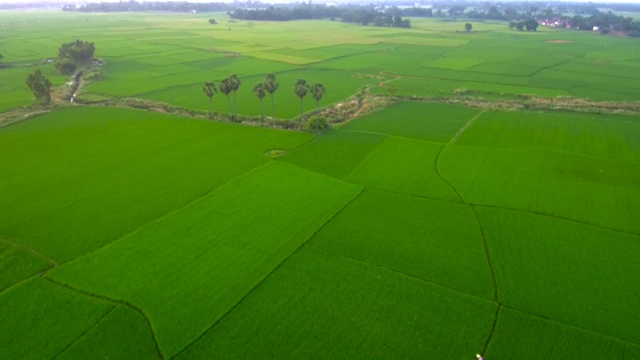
(466, 126)
(493, 330)
(259, 283)
(556, 321)
(171, 212)
(496, 289)
(114, 301)
(85, 332)
(429, 282)
(368, 155)
(53, 262)
(560, 217)
(35, 252)
(435, 166)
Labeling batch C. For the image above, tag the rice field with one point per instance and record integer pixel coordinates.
(423, 230)
(166, 58)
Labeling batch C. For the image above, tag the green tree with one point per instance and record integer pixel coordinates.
(260, 90)
(81, 52)
(531, 25)
(226, 87)
(271, 86)
(209, 89)
(235, 85)
(317, 91)
(301, 88)
(468, 27)
(65, 66)
(40, 86)
(73, 55)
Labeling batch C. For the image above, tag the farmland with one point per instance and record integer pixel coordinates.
(436, 226)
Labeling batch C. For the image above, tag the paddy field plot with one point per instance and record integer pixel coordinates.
(404, 166)
(522, 336)
(321, 304)
(566, 271)
(436, 241)
(110, 170)
(223, 245)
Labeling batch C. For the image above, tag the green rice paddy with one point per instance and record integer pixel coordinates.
(423, 230)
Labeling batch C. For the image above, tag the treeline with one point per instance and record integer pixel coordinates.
(362, 15)
(605, 23)
(286, 12)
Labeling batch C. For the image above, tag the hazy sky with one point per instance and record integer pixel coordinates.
(279, 1)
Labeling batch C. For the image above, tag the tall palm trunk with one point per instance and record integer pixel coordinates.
(262, 110)
(317, 113)
(301, 107)
(271, 104)
(235, 104)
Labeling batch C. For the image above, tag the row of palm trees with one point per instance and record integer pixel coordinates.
(232, 83)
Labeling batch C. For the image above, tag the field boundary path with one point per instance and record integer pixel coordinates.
(253, 289)
(113, 301)
(53, 262)
(466, 126)
(84, 333)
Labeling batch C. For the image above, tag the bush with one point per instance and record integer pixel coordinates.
(321, 123)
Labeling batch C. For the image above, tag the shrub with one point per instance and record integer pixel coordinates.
(321, 123)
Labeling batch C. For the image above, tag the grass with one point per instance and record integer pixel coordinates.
(396, 315)
(167, 57)
(591, 190)
(223, 245)
(522, 336)
(119, 168)
(424, 121)
(35, 329)
(432, 240)
(335, 153)
(574, 273)
(404, 166)
(123, 333)
(18, 264)
(590, 135)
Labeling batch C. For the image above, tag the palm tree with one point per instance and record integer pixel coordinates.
(317, 91)
(226, 88)
(271, 86)
(301, 88)
(209, 89)
(235, 85)
(260, 90)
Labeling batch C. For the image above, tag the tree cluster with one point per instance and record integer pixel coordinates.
(522, 25)
(363, 15)
(269, 86)
(73, 55)
(606, 22)
(287, 12)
